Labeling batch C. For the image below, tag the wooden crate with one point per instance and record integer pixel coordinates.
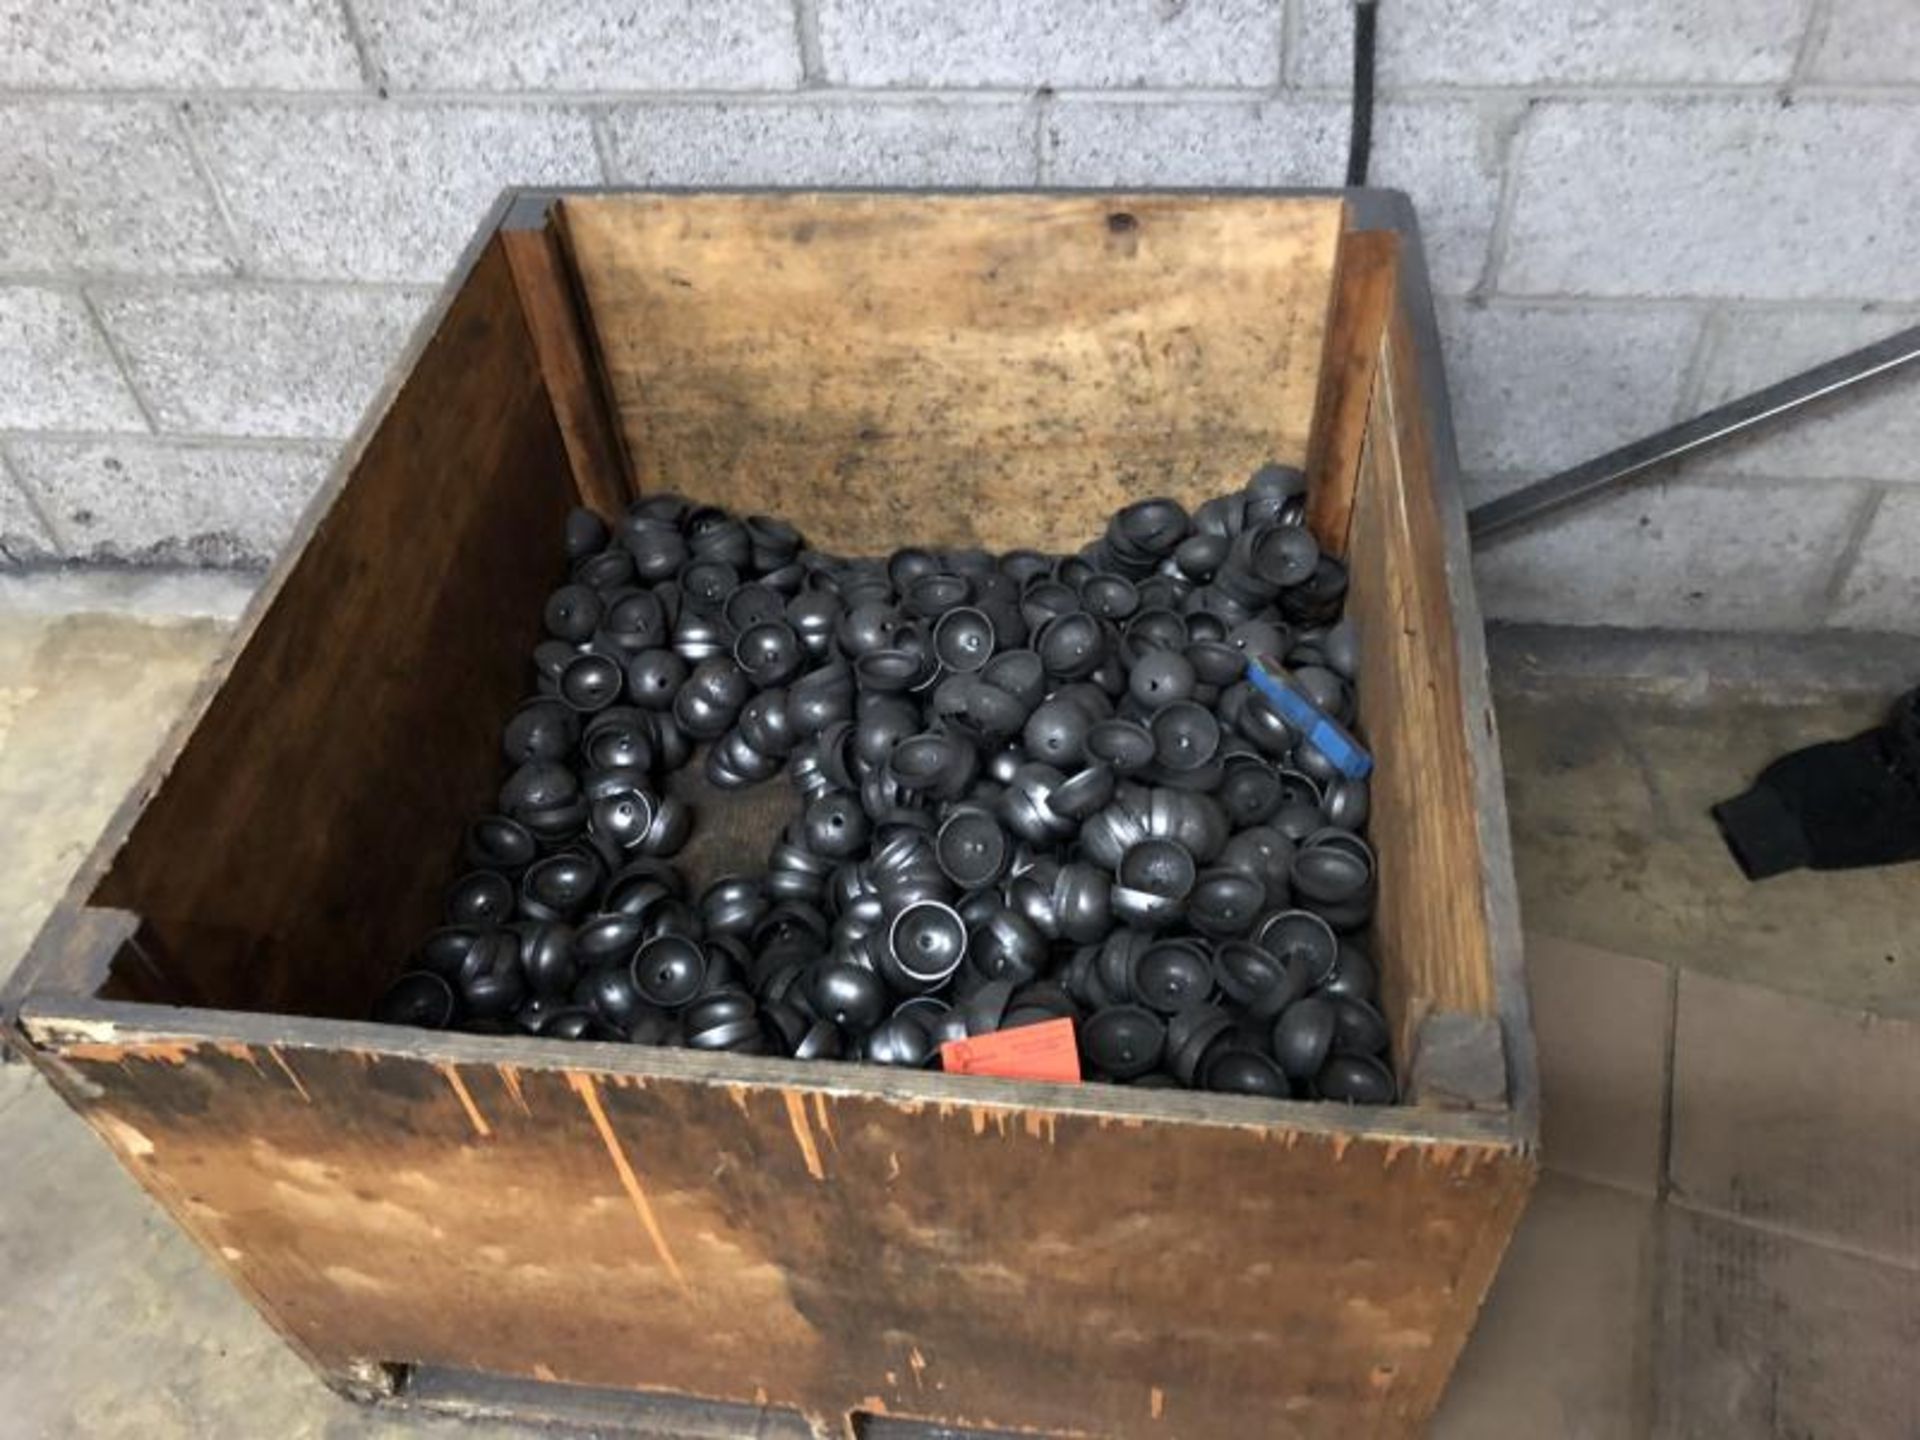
(473, 1221)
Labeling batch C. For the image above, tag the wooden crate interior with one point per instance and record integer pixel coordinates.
(302, 842)
(996, 370)
(1004, 377)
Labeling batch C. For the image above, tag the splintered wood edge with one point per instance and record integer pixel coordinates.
(78, 1029)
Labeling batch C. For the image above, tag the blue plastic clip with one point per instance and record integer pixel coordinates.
(1316, 727)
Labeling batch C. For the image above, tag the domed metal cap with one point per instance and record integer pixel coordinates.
(658, 551)
(853, 998)
(1358, 1028)
(1021, 673)
(591, 682)
(814, 616)
(1072, 646)
(1110, 597)
(1173, 975)
(754, 604)
(418, 998)
(560, 885)
(901, 1041)
(1083, 793)
(1185, 736)
(493, 842)
(1123, 1041)
(622, 818)
(1056, 733)
(1148, 527)
(1353, 974)
(1256, 979)
(541, 730)
(1160, 677)
(1082, 903)
(586, 533)
(1159, 867)
(1125, 745)
(573, 613)
(481, 897)
(1303, 940)
(669, 971)
(934, 594)
(1355, 1079)
(964, 639)
(1008, 947)
(1225, 902)
(654, 677)
(972, 848)
(1233, 1070)
(1191, 1035)
(1303, 1036)
(890, 670)
(706, 584)
(1199, 557)
(925, 944)
(769, 652)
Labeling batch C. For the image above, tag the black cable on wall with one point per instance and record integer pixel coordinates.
(1360, 136)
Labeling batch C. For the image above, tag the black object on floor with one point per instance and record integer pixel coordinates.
(1841, 805)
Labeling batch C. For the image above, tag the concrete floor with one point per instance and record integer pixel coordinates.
(1726, 1243)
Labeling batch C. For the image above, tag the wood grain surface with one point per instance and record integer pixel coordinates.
(1363, 300)
(302, 839)
(998, 370)
(978, 1264)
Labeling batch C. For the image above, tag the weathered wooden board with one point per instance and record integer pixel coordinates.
(1431, 924)
(280, 865)
(970, 1261)
(1363, 300)
(998, 370)
(543, 275)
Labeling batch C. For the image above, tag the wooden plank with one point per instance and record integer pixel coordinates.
(998, 370)
(548, 299)
(1431, 924)
(294, 849)
(1363, 299)
(980, 1263)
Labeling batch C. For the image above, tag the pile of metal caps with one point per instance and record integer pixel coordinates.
(1028, 788)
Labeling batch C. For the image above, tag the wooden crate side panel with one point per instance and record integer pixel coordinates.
(1363, 301)
(1431, 925)
(549, 299)
(998, 370)
(985, 1265)
(297, 845)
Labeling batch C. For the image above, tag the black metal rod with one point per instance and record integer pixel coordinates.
(1542, 497)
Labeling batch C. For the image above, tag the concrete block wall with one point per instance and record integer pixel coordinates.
(220, 218)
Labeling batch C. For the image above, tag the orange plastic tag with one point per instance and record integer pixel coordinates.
(1032, 1052)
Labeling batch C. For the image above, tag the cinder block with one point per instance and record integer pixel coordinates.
(177, 44)
(1187, 142)
(824, 142)
(1882, 590)
(1873, 434)
(583, 44)
(1550, 42)
(1717, 197)
(1065, 43)
(56, 372)
(381, 192)
(1536, 388)
(259, 360)
(1868, 42)
(23, 539)
(1685, 553)
(1449, 157)
(1446, 155)
(103, 188)
(165, 503)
